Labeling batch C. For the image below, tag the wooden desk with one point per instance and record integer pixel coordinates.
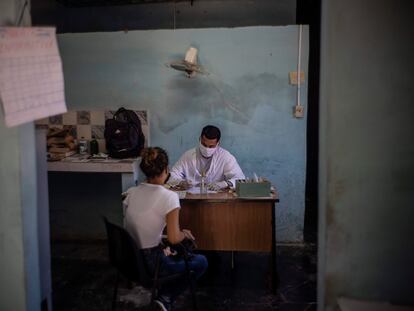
(221, 221)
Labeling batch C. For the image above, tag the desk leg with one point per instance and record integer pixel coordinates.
(275, 279)
(128, 181)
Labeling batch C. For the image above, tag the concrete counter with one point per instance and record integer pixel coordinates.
(128, 168)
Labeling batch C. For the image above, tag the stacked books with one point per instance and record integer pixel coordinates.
(60, 144)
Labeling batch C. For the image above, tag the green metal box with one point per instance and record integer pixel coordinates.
(252, 189)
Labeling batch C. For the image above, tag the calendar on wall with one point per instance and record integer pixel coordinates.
(31, 77)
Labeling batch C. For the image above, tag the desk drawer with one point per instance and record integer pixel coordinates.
(231, 225)
(210, 224)
(252, 226)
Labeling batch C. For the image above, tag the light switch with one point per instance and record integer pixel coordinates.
(293, 77)
(298, 111)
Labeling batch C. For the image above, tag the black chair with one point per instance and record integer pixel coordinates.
(125, 255)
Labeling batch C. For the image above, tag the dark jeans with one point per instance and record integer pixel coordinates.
(170, 265)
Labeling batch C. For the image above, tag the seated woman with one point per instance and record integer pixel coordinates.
(149, 208)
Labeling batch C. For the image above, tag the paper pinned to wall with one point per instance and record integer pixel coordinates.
(31, 77)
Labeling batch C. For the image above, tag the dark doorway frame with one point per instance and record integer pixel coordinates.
(309, 12)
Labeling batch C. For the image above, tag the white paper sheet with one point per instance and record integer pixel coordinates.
(196, 190)
(31, 77)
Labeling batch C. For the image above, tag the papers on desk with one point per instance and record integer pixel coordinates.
(196, 190)
(31, 77)
(86, 158)
(182, 194)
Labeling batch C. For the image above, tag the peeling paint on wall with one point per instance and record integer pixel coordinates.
(212, 97)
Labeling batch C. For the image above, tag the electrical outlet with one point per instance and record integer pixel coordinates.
(298, 111)
(293, 77)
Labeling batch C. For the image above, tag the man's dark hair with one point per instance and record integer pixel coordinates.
(211, 132)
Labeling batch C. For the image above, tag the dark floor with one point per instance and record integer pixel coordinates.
(83, 280)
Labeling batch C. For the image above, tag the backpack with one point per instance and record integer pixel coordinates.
(123, 134)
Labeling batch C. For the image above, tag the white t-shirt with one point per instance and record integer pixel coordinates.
(146, 207)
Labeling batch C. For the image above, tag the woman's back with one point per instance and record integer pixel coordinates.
(147, 207)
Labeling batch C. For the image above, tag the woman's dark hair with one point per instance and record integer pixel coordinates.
(154, 160)
(211, 132)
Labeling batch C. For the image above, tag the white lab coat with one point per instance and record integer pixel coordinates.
(223, 166)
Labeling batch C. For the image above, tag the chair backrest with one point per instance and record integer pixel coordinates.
(125, 255)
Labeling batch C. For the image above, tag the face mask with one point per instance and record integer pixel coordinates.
(207, 152)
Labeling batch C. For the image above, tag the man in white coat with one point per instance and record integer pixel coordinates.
(217, 165)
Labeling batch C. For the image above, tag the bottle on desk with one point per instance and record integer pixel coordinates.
(203, 187)
(93, 146)
(83, 145)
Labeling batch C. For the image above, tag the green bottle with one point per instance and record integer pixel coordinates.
(94, 147)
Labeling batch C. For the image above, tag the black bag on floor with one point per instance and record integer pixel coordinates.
(123, 134)
(183, 250)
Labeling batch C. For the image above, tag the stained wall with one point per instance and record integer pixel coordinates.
(246, 93)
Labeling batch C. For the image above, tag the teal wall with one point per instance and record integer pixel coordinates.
(19, 263)
(366, 247)
(12, 284)
(247, 95)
